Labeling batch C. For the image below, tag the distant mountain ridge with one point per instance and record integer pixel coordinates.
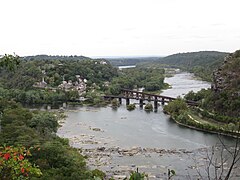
(201, 63)
(55, 57)
(126, 61)
(191, 59)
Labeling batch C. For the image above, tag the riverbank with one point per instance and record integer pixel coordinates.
(204, 130)
(118, 161)
(118, 141)
(201, 120)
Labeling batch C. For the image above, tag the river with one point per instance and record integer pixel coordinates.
(126, 67)
(118, 141)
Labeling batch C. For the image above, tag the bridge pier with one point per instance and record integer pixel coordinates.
(127, 101)
(141, 103)
(155, 104)
(141, 96)
(163, 101)
(120, 100)
(149, 98)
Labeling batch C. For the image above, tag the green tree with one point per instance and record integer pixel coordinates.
(9, 61)
(176, 107)
(44, 122)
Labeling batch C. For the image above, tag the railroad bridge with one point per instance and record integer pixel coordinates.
(142, 96)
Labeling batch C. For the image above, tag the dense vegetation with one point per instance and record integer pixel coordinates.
(62, 58)
(101, 78)
(53, 155)
(29, 137)
(24, 133)
(133, 78)
(148, 107)
(200, 63)
(127, 61)
(131, 107)
(224, 97)
(19, 84)
(30, 72)
(219, 106)
(202, 119)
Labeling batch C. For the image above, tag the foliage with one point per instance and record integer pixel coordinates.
(150, 79)
(197, 118)
(227, 76)
(94, 98)
(148, 107)
(171, 173)
(131, 107)
(176, 107)
(128, 61)
(59, 161)
(53, 155)
(200, 63)
(115, 103)
(38, 96)
(99, 174)
(224, 98)
(137, 176)
(217, 117)
(199, 96)
(15, 165)
(18, 84)
(44, 122)
(9, 61)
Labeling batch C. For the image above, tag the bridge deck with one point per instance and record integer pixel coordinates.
(131, 94)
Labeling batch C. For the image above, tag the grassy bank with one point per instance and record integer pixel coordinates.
(199, 119)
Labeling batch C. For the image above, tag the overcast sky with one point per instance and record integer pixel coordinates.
(118, 27)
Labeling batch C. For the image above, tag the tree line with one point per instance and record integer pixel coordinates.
(133, 78)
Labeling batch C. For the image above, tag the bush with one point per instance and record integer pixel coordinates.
(115, 103)
(137, 176)
(176, 106)
(15, 165)
(148, 107)
(131, 107)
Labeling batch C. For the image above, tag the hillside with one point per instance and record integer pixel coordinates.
(128, 61)
(224, 96)
(227, 76)
(54, 69)
(53, 81)
(57, 57)
(226, 86)
(200, 63)
(219, 106)
(192, 59)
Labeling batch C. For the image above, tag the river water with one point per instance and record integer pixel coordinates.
(117, 140)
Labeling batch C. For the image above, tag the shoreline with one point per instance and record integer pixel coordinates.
(203, 130)
(118, 162)
(119, 159)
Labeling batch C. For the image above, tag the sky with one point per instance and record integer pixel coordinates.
(118, 27)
